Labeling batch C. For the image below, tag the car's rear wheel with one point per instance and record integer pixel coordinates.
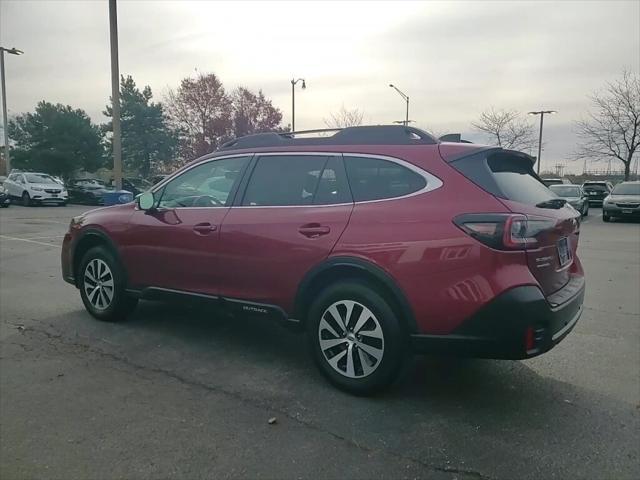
(26, 199)
(355, 337)
(103, 286)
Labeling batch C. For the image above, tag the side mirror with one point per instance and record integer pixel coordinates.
(146, 201)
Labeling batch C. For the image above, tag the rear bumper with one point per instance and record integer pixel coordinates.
(520, 323)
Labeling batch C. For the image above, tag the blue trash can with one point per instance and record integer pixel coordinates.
(116, 197)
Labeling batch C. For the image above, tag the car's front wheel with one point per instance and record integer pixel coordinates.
(585, 209)
(26, 199)
(356, 337)
(606, 217)
(103, 286)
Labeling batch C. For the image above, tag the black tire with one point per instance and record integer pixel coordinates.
(26, 199)
(121, 304)
(585, 213)
(394, 341)
(605, 217)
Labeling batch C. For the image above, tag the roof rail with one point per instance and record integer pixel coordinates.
(365, 135)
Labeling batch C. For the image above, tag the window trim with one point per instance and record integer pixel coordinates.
(432, 182)
(179, 173)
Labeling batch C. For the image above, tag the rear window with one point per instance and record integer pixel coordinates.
(504, 175)
(516, 180)
(595, 187)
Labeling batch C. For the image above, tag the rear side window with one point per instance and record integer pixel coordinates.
(375, 179)
(288, 180)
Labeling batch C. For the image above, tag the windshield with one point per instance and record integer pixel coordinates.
(627, 189)
(93, 183)
(565, 190)
(39, 178)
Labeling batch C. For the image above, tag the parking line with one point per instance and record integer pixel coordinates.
(42, 238)
(7, 237)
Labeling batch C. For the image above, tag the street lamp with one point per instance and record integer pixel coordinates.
(12, 51)
(293, 101)
(541, 113)
(406, 99)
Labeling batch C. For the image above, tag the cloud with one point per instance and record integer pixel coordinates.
(454, 59)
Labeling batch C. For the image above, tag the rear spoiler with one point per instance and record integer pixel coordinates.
(451, 152)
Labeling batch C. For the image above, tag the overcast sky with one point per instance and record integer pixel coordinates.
(454, 59)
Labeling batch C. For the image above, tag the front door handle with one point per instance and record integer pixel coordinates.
(314, 230)
(204, 228)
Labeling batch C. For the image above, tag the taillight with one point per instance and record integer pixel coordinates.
(504, 231)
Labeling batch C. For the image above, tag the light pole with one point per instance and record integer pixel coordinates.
(115, 95)
(541, 113)
(293, 101)
(406, 99)
(5, 122)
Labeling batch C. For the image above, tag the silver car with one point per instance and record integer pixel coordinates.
(622, 202)
(574, 195)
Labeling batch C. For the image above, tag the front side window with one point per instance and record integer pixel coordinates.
(375, 179)
(288, 180)
(207, 185)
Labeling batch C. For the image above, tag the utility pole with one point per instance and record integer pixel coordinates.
(115, 95)
(5, 121)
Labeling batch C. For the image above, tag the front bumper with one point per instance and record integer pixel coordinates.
(49, 198)
(520, 323)
(620, 210)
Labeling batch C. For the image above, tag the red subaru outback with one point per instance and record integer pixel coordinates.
(376, 241)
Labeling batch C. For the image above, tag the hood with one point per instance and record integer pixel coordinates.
(571, 199)
(48, 186)
(625, 198)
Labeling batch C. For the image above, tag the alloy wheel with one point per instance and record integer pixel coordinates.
(98, 284)
(351, 339)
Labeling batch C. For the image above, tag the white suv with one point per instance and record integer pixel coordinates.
(34, 188)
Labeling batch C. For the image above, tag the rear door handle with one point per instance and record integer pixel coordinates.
(314, 230)
(204, 228)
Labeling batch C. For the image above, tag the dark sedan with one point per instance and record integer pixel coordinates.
(87, 190)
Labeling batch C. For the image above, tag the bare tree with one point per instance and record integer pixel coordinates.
(612, 128)
(507, 129)
(344, 118)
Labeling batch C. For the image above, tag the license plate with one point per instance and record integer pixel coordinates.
(54, 195)
(626, 210)
(564, 251)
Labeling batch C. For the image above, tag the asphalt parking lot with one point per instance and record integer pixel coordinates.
(178, 392)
